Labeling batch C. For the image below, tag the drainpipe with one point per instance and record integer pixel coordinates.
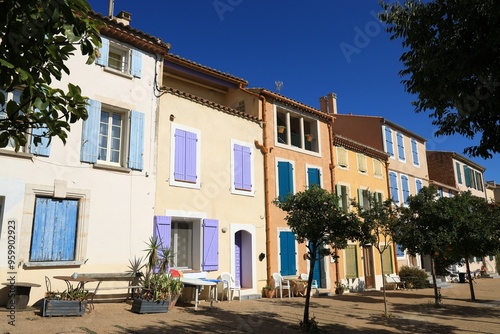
(265, 151)
(332, 181)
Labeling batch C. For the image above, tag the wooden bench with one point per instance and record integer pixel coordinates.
(130, 282)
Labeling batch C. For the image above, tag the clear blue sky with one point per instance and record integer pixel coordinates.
(313, 48)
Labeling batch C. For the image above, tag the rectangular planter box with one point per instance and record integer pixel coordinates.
(148, 306)
(62, 308)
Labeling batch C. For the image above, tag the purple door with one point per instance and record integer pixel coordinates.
(237, 256)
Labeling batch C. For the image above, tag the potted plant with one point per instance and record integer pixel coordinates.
(339, 288)
(268, 291)
(161, 290)
(281, 128)
(71, 302)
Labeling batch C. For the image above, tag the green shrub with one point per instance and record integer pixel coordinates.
(415, 276)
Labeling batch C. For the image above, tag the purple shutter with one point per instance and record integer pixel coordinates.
(247, 168)
(162, 230)
(238, 166)
(180, 155)
(210, 245)
(191, 141)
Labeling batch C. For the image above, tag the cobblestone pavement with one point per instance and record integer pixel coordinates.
(411, 311)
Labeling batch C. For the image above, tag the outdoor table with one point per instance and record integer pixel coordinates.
(81, 281)
(198, 283)
(300, 287)
(21, 295)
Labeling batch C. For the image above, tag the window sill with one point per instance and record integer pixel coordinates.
(15, 154)
(53, 264)
(250, 193)
(119, 73)
(112, 168)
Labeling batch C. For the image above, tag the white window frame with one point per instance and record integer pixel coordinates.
(172, 181)
(125, 120)
(235, 191)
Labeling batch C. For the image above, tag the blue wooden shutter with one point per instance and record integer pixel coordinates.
(285, 179)
(406, 188)
(459, 173)
(468, 180)
(400, 252)
(287, 254)
(414, 152)
(393, 182)
(162, 229)
(136, 65)
(419, 185)
(401, 147)
(136, 140)
(180, 155)
(54, 230)
(210, 245)
(43, 147)
(90, 132)
(388, 141)
(313, 177)
(104, 52)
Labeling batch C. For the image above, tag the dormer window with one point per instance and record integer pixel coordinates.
(296, 131)
(119, 57)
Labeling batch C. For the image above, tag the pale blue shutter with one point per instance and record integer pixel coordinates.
(285, 179)
(401, 147)
(104, 52)
(400, 252)
(43, 148)
(90, 132)
(210, 245)
(191, 141)
(247, 168)
(162, 230)
(406, 188)
(459, 173)
(414, 152)
(136, 65)
(313, 177)
(180, 155)
(238, 166)
(419, 185)
(468, 179)
(393, 183)
(136, 140)
(388, 141)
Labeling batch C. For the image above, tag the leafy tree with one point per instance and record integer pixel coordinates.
(36, 39)
(475, 224)
(423, 227)
(452, 64)
(314, 216)
(376, 228)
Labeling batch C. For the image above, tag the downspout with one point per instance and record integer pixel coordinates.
(265, 151)
(332, 183)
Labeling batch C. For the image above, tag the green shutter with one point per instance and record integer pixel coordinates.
(387, 258)
(351, 262)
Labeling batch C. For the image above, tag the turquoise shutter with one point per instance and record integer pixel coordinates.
(162, 230)
(406, 188)
(104, 52)
(313, 177)
(401, 147)
(136, 140)
(90, 132)
(459, 173)
(136, 65)
(388, 141)
(393, 184)
(285, 179)
(287, 254)
(414, 152)
(210, 245)
(468, 179)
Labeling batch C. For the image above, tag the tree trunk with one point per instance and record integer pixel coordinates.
(436, 294)
(305, 320)
(383, 282)
(471, 286)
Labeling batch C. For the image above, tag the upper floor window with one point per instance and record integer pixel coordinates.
(393, 185)
(414, 152)
(242, 169)
(361, 163)
(343, 195)
(11, 96)
(377, 167)
(296, 131)
(120, 58)
(479, 181)
(185, 157)
(364, 198)
(285, 179)
(405, 185)
(418, 185)
(388, 141)
(342, 157)
(401, 146)
(104, 136)
(313, 177)
(459, 172)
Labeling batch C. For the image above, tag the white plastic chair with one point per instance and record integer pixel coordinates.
(314, 284)
(229, 286)
(282, 284)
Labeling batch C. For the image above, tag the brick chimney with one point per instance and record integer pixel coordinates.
(328, 104)
(124, 18)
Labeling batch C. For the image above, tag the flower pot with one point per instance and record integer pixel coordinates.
(281, 129)
(269, 293)
(59, 308)
(148, 306)
(339, 291)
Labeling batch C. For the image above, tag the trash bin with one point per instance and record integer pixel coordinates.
(461, 277)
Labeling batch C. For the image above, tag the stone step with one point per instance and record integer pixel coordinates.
(250, 297)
